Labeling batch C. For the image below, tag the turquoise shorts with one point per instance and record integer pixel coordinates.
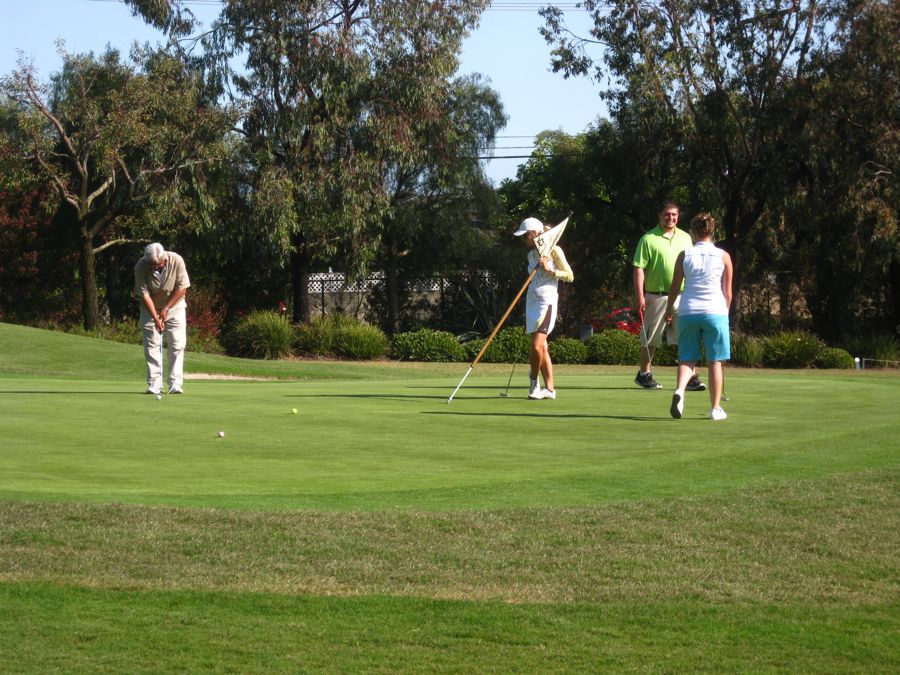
(711, 330)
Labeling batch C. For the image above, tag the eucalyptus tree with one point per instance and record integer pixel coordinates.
(440, 200)
(846, 201)
(122, 147)
(334, 93)
(718, 83)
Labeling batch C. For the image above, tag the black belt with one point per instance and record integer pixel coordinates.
(655, 293)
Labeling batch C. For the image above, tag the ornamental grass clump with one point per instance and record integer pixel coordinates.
(262, 334)
(360, 341)
(337, 335)
(746, 350)
(791, 349)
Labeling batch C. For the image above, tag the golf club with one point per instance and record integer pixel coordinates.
(505, 394)
(644, 340)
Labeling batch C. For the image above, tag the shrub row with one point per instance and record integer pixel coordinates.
(269, 335)
(789, 349)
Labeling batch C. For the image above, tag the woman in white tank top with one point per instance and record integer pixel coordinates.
(703, 313)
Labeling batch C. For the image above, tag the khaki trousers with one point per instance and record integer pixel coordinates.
(655, 321)
(175, 334)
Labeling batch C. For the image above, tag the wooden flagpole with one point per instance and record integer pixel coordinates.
(494, 332)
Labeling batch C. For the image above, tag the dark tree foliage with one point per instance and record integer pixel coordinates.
(337, 95)
(441, 203)
(121, 146)
(848, 191)
(780, 117)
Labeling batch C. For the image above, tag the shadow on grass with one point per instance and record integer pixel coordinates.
(401, 397)
(633, 418)
(522, 388)
(69, 391)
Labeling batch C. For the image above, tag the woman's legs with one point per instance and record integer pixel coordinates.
(715, 384)
(540, 359)
(685, 370)
(547, 366)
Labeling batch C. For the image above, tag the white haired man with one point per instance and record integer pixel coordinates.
(160, 283)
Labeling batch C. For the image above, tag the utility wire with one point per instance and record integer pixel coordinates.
(494, 6)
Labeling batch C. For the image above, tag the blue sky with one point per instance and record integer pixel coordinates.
(506, 48)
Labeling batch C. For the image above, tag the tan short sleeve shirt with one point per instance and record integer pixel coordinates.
(160, 286)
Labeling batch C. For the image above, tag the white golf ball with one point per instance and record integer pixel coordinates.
(293, 411)
(221, 434)
(159, 397)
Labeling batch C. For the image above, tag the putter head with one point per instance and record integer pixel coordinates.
(504, 395)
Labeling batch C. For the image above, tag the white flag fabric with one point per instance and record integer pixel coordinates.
(546, 241)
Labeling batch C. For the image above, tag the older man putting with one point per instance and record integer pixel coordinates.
(160, 283)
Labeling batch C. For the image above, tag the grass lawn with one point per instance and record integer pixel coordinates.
(380, 529)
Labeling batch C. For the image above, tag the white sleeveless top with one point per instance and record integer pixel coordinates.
(703, 268)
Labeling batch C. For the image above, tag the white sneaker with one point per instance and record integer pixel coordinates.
(151, 390)
(717, 414)
(548, 393)
(535, 393)
(175, 390)
(676, 410)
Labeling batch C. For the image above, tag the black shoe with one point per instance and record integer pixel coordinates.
(646, 381)
(694, 384)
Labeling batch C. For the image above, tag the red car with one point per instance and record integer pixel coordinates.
(623, 318)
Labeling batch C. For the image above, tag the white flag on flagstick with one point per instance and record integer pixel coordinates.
(545, 242)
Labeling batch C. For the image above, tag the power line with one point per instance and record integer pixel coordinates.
(494, 6)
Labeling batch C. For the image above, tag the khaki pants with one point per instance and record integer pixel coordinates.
(655, 321)
(176, 339)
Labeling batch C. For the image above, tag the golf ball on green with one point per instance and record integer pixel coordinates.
(221, 434)
(293, 411)
(159, 397)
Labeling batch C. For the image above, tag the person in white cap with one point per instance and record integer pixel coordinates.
(160, 283)
(541, 305)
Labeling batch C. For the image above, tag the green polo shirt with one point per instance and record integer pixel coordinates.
(656, 255)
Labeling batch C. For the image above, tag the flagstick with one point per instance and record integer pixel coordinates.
(494, 332)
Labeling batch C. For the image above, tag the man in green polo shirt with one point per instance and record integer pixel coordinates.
(654, 268)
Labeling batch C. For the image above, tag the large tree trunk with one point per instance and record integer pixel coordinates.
(300, 265)
(90, 306)
(116, 285)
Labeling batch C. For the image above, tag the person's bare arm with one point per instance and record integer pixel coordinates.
(675, 288)
(638, 279)
(727, 275)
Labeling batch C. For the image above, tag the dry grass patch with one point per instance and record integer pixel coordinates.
(818, 542)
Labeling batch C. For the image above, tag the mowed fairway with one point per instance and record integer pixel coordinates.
(380, 529)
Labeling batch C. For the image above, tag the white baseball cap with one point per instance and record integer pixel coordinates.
(529, 225)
